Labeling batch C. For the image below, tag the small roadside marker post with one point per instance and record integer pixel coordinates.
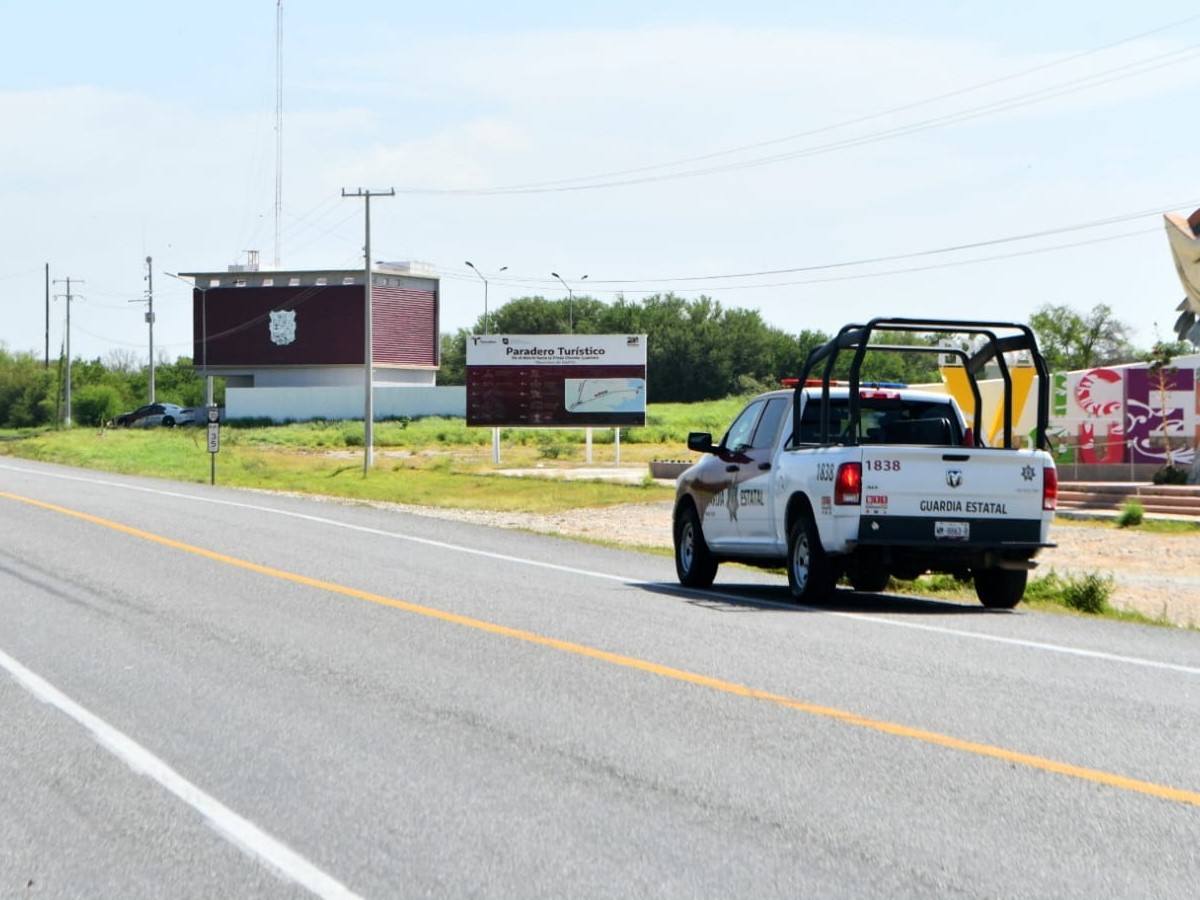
(214, 442)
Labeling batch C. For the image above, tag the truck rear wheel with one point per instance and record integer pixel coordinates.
(811, 576)
(1000, 588)
(869, 581)
(694, 562)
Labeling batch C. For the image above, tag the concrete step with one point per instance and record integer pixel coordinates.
(1111, 497)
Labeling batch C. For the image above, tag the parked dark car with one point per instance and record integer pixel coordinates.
(165, 414)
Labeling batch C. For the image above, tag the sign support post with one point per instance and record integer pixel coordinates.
(214, 442)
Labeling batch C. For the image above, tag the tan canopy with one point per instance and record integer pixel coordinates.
(1185, 248)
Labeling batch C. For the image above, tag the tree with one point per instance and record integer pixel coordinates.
(97, 404)
(453, 370)
(696, 349)
(537, 315)
(1070, 340)
(1162, 381)
(27, 390)
(121, 360)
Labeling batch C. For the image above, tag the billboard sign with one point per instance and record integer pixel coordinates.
(556, 380)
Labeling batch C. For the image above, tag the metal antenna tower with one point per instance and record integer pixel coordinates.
(278, 123)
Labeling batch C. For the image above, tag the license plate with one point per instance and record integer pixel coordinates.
(952, 531)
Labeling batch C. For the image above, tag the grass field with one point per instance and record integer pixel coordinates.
(431, 462)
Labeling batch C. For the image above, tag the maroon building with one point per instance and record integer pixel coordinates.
(306, 329)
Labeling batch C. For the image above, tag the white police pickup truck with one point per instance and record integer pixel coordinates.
(873, 481)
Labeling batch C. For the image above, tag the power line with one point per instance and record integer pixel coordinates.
(632, 283)
(974, 245)
(1033, 251)
(618, 179)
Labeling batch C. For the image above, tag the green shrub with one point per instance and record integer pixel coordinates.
(1132, 513)
(942, 582)
(1171, 475)
(1088, 593)
(1048, 588)
(555, 450)
(96, 404)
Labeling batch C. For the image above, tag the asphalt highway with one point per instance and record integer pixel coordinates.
(208, 692)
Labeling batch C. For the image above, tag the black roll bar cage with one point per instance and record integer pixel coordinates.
(857, 337)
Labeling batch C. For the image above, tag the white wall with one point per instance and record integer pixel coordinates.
(304, 403)
(334, 376)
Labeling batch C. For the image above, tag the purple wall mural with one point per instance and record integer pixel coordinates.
(1127, 414)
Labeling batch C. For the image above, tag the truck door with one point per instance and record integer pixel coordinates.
(716, 485)
(755, 518)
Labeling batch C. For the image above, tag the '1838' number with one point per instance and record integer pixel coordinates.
(824, 471)
(882, 465)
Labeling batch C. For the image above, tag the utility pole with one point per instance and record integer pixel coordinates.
(368, 348)
(67, 417)
(149, 319)
(47, 363)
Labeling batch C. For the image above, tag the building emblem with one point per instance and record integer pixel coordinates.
(283, 326)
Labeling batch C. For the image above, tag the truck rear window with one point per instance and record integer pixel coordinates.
(885, 421)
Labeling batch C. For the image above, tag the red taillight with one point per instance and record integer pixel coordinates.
(1050, 487)
(847, 488)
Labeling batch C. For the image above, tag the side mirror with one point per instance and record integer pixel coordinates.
(700, 442)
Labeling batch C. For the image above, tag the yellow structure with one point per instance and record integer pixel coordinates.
(958, 384)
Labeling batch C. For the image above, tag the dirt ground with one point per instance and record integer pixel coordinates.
(1155, 574)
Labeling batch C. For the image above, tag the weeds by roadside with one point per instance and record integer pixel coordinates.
(1132, 514)
(1087, 594)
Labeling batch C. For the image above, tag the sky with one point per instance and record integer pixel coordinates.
(820, 163)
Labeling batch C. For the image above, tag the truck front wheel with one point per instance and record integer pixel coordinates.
(1000, 588)
(811, 576)
(694, 562)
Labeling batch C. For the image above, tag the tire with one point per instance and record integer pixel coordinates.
(168, 422)
(695, 565)
(1000, 588)
(811, 576)
(911, 573)
(869, 581)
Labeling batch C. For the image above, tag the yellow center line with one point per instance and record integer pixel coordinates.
(1043, 764)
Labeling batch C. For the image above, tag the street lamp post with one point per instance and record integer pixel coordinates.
(570, 301)
(471, 266)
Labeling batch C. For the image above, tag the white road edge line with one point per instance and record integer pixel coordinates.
(859, 617)
(243, 834)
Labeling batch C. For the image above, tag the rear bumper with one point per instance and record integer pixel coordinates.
(922, 531)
